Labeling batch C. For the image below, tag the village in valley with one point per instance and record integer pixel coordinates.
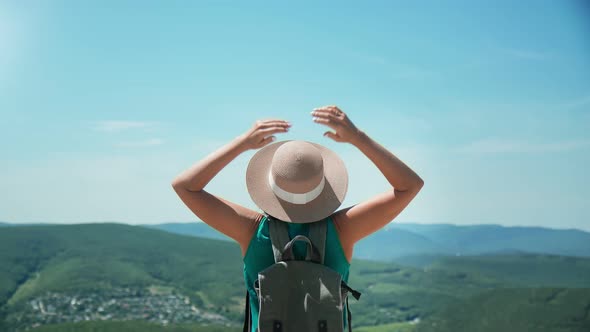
(165, 308)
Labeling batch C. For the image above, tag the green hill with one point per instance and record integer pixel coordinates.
(516, 310)
(108, 259)
(61, 274)
(132, 326)
(85, 257)
(525, 270)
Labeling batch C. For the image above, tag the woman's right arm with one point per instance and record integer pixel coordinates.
(231, 219)
(365, 218)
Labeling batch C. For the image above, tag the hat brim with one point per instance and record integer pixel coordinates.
(322, 206)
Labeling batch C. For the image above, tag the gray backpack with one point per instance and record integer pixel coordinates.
(300, 295)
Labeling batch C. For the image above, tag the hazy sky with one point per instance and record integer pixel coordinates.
(103, 103)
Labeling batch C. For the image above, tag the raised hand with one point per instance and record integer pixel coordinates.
(333, 117)
(262, 133)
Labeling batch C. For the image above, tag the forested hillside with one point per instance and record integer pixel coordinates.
(72, 273)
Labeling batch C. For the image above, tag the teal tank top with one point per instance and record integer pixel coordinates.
(259, 256)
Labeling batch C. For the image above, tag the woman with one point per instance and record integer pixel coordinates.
(297, 206)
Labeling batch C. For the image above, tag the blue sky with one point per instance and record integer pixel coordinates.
(103, 103)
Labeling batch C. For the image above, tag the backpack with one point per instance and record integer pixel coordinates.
(299, 295)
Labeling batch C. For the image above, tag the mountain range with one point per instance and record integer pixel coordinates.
(410, 242)
(63, 277)
(414, 243)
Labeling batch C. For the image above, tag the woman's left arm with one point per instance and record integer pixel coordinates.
(365, 218)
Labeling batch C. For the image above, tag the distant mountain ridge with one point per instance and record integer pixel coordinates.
(405, 239)
(398, 241)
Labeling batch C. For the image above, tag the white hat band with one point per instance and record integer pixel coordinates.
(294, 198)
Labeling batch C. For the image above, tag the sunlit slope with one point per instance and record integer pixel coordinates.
(101, 256)
(526, 270)
(132, 326)
(516, 310)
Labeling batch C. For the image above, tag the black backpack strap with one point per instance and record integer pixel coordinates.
(279, 237)
(247, 315)
(356, 295)
(317, 235)
(349, 316)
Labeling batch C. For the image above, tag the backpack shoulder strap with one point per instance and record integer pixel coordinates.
(279, 237)
(317, 235)
(247, 315)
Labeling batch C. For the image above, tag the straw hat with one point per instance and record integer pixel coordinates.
(297, 181)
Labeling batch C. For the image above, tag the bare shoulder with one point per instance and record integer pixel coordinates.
(233, 220)
(361, 220)
(252, 227)
(347, 244)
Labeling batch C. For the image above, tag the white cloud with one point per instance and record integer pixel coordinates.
(399, 70)
(140, 144)
(135, 188)
(14, 39)
(574, 103)
(374, 59)
(116, 126)
(526, 54)
(521, 146)
(125, 188)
